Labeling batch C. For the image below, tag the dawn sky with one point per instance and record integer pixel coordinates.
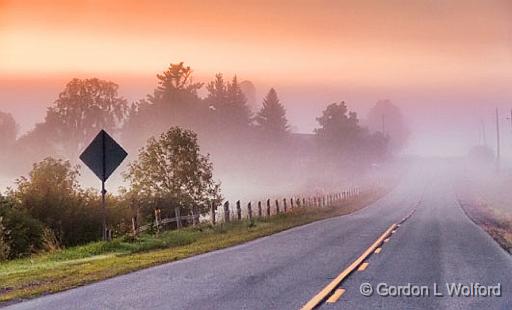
(413, 52)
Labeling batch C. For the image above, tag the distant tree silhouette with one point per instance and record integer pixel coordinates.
(338, 126)
(229, 104)
(387, 118)
(249, 91)
(83, 108)
(271, 119)
(173, 102)
(8, 131)
(340, 134)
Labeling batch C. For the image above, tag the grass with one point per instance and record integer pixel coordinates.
(497, 223)
(486, 201)
(68, 268)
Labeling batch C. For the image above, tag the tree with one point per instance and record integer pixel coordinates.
(8, 130)
(171, 172)
(271, 119)
(340, 134)
(229, 104)
(83, 108)
(338, 127)
(388, 119)
(174, 102)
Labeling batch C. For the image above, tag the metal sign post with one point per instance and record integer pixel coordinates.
(103, 156)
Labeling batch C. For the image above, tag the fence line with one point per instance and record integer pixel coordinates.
(236, 214)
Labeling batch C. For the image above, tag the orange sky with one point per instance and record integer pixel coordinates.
(363, 42)
(431, 52)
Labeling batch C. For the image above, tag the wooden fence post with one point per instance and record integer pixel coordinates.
(260, 214)
(285, 207)
(277, 206)
(157, 221)
(238, 210)
(298, 202)
(135, 229)
(226, 212)
(291, 203)
(268, 207)
(249, 212)
(303, 202)
(212, 212)
(177, 212)
(194, 219)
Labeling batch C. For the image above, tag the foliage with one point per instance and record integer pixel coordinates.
(340, 134)
(271, 119)
(82, 109)
(388, 119)
(51, 194)
(8, 130)
(22, 233)
(173, 102)
(170, 172)
(232, 113)
(339, 127)
(5, 248)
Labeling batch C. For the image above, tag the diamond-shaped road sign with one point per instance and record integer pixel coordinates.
(103, 155)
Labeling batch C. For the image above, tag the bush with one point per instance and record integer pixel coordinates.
(5, 249)
(51, 194)
(25, 234)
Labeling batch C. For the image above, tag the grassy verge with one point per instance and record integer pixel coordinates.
(496, 223)
(77, 266)
(485, 198)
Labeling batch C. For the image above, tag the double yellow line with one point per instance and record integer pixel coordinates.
(326, 291)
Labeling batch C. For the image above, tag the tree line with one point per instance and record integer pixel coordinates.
(176, 137)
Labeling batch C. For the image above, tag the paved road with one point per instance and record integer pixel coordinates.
(438, 244)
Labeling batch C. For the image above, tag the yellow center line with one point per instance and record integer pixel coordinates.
(377, 251)
(318, 298)
(336, 296)
(363, 267)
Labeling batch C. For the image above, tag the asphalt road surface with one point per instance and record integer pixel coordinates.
(436, 246)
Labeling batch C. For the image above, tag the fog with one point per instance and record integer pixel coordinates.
(445, 66)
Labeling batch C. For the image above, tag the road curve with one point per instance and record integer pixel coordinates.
(437, 244)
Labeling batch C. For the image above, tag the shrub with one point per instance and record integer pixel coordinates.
(25, 234)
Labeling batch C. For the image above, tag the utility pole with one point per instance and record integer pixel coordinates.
(511, 118)
(484, 137)
(383, 124)
(497, 141)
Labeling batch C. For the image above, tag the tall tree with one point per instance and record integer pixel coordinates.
(271, 119)
(83, 108)
(176, 89)
(229, 104)
(171, 171)
(174, 102)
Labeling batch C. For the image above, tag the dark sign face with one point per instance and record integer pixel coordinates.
(103, 155)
